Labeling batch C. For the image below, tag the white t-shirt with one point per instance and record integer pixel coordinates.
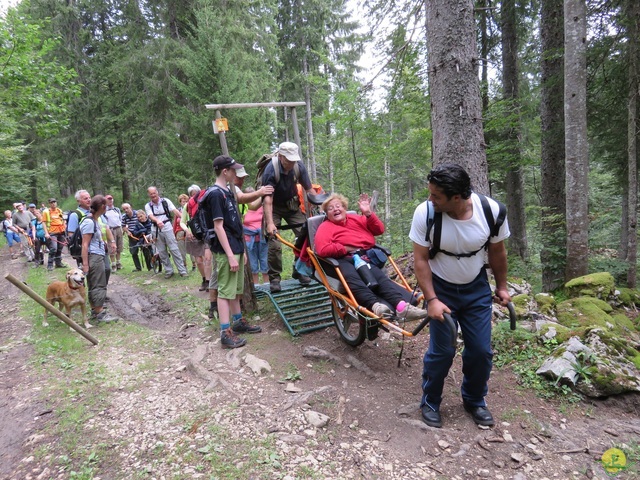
(157, 210)
(458, 236)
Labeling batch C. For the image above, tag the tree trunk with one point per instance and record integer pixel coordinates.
(576, 146)
(514, 176)
(633, 15)
(484, 53)
(122, 165)
(456, 107)
(552, 166)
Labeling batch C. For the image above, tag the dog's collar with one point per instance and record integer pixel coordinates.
(74, 288)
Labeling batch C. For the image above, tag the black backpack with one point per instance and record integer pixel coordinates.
(200, 225)
(75, 242)
(434, 220)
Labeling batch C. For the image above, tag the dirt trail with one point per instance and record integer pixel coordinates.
(374, 428)
(20, 407)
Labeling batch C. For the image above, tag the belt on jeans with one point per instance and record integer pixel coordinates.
(114, 228)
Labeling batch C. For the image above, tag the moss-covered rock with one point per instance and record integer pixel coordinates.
(522, 303)
(583, 312)
(600, 365)
(546, 303)
(600, 285)
(629, 297)
(562, 333)
(623, 323)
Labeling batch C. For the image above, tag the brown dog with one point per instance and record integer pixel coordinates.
(68, 294)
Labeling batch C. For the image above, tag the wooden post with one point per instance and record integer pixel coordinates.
(296, 130)
(222, 137)
(22, 286)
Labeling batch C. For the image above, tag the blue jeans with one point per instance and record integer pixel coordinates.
(470, 306)
(258, 256)
(12, 237)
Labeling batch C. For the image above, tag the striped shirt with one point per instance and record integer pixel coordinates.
(129, 222)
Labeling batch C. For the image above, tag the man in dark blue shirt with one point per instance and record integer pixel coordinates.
(284, 204)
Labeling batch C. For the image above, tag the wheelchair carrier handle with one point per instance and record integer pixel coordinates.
(452, 328)
(317, 199)
(512, 315)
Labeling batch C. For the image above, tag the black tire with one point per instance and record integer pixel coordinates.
(351, 328)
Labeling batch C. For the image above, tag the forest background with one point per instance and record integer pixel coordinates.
(110, 95)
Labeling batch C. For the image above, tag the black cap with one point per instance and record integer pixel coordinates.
(222, 161)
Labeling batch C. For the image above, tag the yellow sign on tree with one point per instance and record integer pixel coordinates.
(220, 125)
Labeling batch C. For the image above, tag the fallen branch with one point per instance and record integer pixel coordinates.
(482, 445)
(434, 468)
(575, 450)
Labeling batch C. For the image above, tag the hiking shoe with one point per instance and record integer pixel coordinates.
(228, 339)
(412, 313)
(274, 286)
(431, 417)
(103, 317)
(49, 268)
(119, 266)
(213, 313)
(168, 275)
(303, 279)
(480, 415)
(204, 286)
(184, 274)
(242, 326)
(381, 310)
(62, 265)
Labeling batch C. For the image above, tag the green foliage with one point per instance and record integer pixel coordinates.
(293, 373)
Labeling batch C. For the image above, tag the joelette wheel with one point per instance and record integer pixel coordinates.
(351, 327)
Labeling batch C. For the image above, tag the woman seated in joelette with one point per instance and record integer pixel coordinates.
(342, 235)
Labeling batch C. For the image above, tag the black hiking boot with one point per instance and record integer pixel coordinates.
(228, 339)
(242, 326)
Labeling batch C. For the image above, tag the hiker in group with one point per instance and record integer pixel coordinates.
(452, 275)
(33, 209)
(195, 247)
(41, 238)
(22, 220)
(110, 245)
(93, 261)
(12, 234)
(159, 210)
(54, 220)
(256, 242)
(344, 235)
(242, 198)
(73, 220)
(129, 220)
(283, 173)
(228, 248)
(142, 231)
(113, 217)
(178, 231)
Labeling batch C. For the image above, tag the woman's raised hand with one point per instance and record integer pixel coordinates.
(364, 203)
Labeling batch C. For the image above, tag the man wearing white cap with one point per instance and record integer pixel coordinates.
(284, 204)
